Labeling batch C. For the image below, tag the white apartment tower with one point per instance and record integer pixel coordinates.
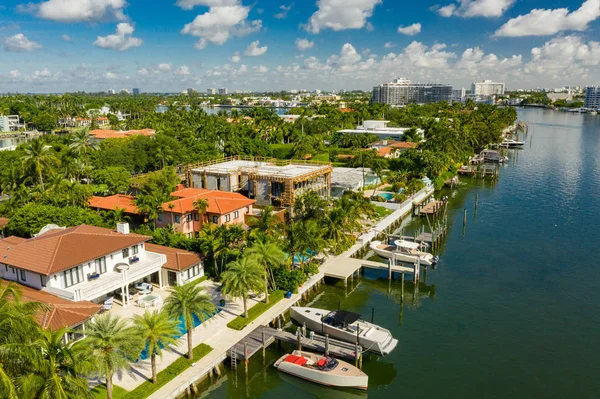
(592, 97)
(487, 88)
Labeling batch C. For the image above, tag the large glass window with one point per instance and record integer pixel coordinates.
(189, 217)
(193, 271)
(72, 276)
(125, 252)
(215, 219)
(23, 275)
(100, 264)
(135, 249)
(227, 218)
(177, 218)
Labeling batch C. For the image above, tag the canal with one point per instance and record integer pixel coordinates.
(512, 309)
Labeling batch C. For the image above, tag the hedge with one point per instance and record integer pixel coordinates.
(240, 322)
(148, 388)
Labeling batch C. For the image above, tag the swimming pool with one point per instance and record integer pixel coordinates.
(386, 196)
(299, 258)
(182, 330)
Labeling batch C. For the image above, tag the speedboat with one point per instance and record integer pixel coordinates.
(345, 326)
(510, 143)
(404, 251)
(324, 370)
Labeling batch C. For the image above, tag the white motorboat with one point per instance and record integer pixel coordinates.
(404, 251)
(345, 326)
(322, 370)
(510, 143)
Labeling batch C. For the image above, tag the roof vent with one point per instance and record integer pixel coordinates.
(123, 228)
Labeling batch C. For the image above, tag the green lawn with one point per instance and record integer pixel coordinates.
(383, 211)
(148, 388)
(240, 322)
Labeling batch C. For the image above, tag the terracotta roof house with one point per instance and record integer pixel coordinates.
(182, 266)
(82, 263)
(223, 208)
(3, 222)
(120, 201)
(391, 148)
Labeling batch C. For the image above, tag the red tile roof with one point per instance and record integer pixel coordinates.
(61, 312)
(219, 202)
(177, 259)
(113, 134)
(59, 250)
(115, 201)
(403, 144)
(13, 240)
(4, 222)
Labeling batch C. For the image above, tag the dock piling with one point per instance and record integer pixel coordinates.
(326, 344)
(299, 336)
(465, 218)
(264, 346)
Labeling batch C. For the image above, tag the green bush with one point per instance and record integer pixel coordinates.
(240, 322)
(282, 151)
(289, 280)
(311, 268)
(321, 157)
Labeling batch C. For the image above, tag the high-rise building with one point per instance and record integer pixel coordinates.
(211, 91)
(124, 91)
(487, 88)
(223, 90)
(136, 91)
(111, 91)
(403, 91)
(459, 94)
(592, 97)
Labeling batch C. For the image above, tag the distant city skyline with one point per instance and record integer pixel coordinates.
(260, 45)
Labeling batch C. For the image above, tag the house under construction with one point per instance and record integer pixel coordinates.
(268, 181)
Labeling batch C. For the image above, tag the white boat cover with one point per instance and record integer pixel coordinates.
(406, 244)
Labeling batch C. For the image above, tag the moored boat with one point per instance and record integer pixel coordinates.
(510, 143)
(324, 370)
(404, 251)
(345, 326)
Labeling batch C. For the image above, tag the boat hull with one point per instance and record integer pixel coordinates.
(426, 259)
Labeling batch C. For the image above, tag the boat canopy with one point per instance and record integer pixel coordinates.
(344, 317)
(407, 244)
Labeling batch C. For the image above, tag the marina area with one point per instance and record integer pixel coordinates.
(500, 310)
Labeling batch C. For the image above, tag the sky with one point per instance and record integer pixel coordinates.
(171, 45)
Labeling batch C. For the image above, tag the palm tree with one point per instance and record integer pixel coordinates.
(114, 345)
(243, 276)
(201, 205)
(57, 374)
(307, 236)
(186, 302)
(38, 156)
(266, 222)
(83, 143)
(269, 255)
(159, 331)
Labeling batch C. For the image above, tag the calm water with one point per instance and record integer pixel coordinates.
(511, 310)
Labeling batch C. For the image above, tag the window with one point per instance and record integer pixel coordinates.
(215, 219)
(193, 272)
(177, 218)
(135, 249)
(236, 214)
(100, 264)
(6, 267)
(227, 218)
(160, 216)
(42, 280)
(72, 276)
(196, 217)
(189, 217)
(125, 252)
(23, 275)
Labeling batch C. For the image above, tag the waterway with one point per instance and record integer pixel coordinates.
(511, 310)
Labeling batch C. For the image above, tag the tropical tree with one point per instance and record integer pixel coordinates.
(82, 143)
(188, 302)
(115, 216)
(306, 236)
(269, 255)
(243, 276)
(114, 345)
(38, 156)
(158, 330)
(266, 223)
(201, 205)
(55, 373)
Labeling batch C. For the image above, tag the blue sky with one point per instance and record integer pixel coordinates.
(170, 45)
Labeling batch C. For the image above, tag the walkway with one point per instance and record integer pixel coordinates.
(342, 268)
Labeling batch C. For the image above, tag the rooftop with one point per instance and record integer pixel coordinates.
(288, 171)
(59, 250)
(4, 222)
(219, 202)
(125, 202)
(177, 259)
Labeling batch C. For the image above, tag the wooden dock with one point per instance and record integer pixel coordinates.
(343, 268)
(252, 343)
(432, 208)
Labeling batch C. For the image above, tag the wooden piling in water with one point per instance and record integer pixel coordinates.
(465, 218)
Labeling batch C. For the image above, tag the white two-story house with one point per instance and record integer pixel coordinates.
(82, 263)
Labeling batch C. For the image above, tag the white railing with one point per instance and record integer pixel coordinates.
(138, 270)
(60, 293)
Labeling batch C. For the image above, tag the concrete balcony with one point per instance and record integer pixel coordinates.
(114, 280)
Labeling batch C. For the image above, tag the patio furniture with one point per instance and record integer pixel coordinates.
(148, 301)
(144, 291)
(142, 286)
(108, 303)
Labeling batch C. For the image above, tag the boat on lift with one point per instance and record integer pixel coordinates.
(345, 326)
(324, 370)
(510, 143)
(404, 251)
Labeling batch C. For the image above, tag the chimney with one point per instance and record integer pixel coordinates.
(123, 228)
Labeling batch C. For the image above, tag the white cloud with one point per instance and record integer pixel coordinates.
(389, 45)
(410, 30)
(110, 75)
(80, 10)
(540, 22)
(236, 57)
(143, 72)
(183, 70)
(284, 11)
(347, 57)
(220, 23)
(19, 43)
(189, 4)
(66, 38)
(121, 40)
(164, 67)
(260, 69)
(476, 8)
(340, 15)
(304, 44)
(15, 73)
(254, 49)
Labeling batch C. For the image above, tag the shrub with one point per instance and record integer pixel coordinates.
(289, 280)
(311, 268)
(240, 322)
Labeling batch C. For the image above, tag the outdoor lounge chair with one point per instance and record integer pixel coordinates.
(108, 303)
